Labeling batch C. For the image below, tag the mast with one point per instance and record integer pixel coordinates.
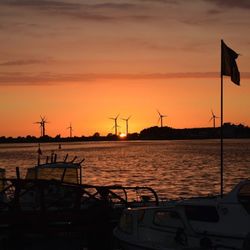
(221, 130)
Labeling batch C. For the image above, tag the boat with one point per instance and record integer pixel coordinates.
(197, 223)
(52, 202)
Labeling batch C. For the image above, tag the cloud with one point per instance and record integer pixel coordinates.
(48, 78)
(119, 6)
(200, 20)
(242, 4)
(25, 62)
(90, 12)
(160, 1)
(214, 12)
(60, 5)
(42, 4)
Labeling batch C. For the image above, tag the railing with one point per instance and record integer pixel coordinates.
(45, 194)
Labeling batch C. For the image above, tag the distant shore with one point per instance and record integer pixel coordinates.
(152, 133)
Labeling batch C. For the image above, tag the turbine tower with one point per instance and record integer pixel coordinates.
(214, 117)
(161, 116)
(70, 130)
(116, 125)
(126, 120)
(42, 123)
(41, 127)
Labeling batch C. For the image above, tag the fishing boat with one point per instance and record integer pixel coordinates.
(197, 223)
(51, 202)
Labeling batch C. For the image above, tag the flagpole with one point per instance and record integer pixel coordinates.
(221, 141)
(221, 131)
(228, 68)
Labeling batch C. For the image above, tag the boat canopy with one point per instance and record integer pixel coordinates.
(65, 172)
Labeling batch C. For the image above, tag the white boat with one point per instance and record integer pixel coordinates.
(197, 223)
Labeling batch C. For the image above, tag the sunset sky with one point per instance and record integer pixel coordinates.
(83, 61)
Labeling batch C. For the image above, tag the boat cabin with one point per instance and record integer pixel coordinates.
(61, 171)
(219, 222)
(214, 217)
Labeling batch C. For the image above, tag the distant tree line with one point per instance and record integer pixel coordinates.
(168, 133)
(152, 133)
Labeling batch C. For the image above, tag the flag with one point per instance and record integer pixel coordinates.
(228, 63)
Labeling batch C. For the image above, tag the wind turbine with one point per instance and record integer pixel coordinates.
(43, 122)
(70, 130)
(116, 125)
(126, 120)
(214, 117)
(161, 116)
(42, 125)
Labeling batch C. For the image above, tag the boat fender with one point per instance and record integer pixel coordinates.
(205, 243)
(246, 243)
(181, 237)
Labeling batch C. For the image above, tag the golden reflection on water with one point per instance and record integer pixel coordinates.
(173, 168)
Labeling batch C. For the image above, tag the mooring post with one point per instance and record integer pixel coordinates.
(17, 173)
(17, 189)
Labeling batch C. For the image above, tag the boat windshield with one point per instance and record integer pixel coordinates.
(166, 218)
(244, 196)
(69, 175)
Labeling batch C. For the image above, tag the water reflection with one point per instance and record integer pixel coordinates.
(172, 168)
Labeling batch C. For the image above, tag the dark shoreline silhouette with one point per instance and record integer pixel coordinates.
(152, 133)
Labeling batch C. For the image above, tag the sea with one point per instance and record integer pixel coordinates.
(174, 169)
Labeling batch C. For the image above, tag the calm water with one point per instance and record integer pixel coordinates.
(172, 168)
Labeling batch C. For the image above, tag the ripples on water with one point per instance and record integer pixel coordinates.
(173, 168)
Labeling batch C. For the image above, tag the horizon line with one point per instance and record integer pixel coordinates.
(210, 127)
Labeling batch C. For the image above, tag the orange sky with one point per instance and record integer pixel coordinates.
(85, 61)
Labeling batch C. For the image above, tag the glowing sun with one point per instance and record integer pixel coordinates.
(122, 135)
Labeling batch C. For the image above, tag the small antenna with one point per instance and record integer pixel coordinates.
(82, 161)
(74, 159)
(66, 157)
